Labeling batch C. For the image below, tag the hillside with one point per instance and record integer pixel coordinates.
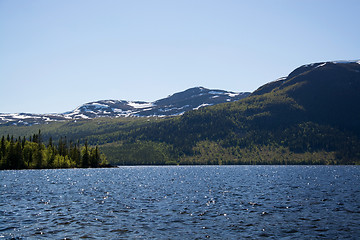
(308, 117)
(326, 92)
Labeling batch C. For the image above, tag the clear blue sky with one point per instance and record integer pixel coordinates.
(56, 55)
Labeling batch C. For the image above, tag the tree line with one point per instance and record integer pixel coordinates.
(32, 153)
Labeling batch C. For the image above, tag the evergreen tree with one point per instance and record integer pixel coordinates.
(11, 155)
(75, 154)
(23, 142)
(28, 154)
(35, 138)
(2, 147)
(2, 153)
(50, 156)
(18, 158)
(38, 158)
(85, 157)
(94, 157)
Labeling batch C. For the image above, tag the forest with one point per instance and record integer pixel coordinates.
(32, 153)
(219, 135)
(311, 117)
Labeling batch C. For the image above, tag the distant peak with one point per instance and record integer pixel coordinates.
(174, 105)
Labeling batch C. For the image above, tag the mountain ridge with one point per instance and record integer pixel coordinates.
(173, 105)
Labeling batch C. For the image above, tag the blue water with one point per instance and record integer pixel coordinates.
(197, 202)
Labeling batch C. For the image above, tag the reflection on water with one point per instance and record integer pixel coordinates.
(200, 202)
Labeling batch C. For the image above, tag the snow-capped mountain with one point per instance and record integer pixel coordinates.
(176, 104)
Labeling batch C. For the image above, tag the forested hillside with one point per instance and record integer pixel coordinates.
(309, 117)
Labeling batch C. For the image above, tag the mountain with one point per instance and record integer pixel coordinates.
(173, 105)
(326, 93)
(309, 117)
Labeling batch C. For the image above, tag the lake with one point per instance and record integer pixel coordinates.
(187, 202)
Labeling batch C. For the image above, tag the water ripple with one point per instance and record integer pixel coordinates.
(228, 202)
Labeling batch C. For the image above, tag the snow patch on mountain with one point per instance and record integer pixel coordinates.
(140, 105)
(216, 92)
(321, 65)
(232, 94)
(202, 105)
(98, 105)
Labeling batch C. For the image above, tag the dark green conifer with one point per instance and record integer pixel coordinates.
(23, 142)
(94, 157)
(2, 153)
(85, 157)
(11, 155)
(2, 147)
(18, 158)
(50, 144)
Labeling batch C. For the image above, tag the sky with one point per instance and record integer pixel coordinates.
(57, 55)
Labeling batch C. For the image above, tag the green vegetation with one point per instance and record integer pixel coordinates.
(21, 153)
(216, 135)
(312, 117)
